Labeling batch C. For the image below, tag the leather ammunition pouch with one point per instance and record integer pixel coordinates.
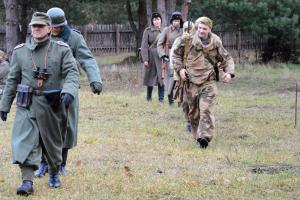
(24, 95)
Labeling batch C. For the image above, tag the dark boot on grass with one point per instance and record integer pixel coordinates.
(25, 189)
(203, 143)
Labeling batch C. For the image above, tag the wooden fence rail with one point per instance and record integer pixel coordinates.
(105, 39)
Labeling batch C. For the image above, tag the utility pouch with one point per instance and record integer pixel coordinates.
(24, 95)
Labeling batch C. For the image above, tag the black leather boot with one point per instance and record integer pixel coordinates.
(161, 93)
(43, 169)
(203, 142)
(25, 188)
(62, 168)
(54, 181)
(149, 93)
(171, 100)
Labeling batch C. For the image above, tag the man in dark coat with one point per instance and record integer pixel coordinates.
(44, 75)
(62, 32)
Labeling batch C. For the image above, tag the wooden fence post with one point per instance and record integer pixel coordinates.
(239, 44)
(117, 38)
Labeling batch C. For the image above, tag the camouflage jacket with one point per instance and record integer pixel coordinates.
(202, 58)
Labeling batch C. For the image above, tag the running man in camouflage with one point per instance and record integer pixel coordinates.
(206, 51)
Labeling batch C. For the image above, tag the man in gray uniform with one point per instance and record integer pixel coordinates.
(62, 32)
(44, 75)
(164, 44)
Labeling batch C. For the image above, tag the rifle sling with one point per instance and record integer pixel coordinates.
(215, 66)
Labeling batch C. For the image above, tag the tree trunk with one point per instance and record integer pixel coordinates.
(149, 11)
(170, 7)
(161, 8)
(12, 25)
(142, 21)
(185, 9)
(23, 22)
(130, 19)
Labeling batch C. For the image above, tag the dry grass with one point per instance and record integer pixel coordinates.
(131, 149)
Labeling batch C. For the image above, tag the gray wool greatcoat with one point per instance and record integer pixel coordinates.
(88, 63)
(40, 123)
(153, 72)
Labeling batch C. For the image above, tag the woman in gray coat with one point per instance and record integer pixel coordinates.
(151, 60)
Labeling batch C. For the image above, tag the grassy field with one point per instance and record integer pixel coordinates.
(131, 149)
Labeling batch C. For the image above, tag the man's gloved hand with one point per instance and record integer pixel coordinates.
(165, 58)
(66, 99)
(3, 115)
(96, 87)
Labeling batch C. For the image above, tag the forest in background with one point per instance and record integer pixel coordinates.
(277, 21)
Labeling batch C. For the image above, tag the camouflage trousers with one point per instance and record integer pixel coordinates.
(201, 100)
(185, 108)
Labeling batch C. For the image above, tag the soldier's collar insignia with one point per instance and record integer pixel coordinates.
(19, 46)
(62, 43)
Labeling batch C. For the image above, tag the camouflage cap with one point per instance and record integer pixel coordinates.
(40, 18)
(204, 20)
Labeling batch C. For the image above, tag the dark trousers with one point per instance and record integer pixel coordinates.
(64, 157)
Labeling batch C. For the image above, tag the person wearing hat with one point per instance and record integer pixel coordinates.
(44, 77)
(164, 44)
(4, 69)
(62, 32)
(206, 58)
(151, 60)
(188, 29)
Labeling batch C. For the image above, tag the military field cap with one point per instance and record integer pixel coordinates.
(155, 15)
(57, 16)
(204, 20)
(40, 18)
(176, 15)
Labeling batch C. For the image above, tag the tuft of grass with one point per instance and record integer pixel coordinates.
(129, 148)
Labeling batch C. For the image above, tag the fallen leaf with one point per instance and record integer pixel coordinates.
(78, 163)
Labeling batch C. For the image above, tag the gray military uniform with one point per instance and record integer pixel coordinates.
(153, 72)
(39, 124)
(87, 62)
(171, 33)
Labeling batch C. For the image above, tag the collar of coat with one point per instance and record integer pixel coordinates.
(32, 44)
(65, 34)
(153, 28)
(173, 28)
(197, 43)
